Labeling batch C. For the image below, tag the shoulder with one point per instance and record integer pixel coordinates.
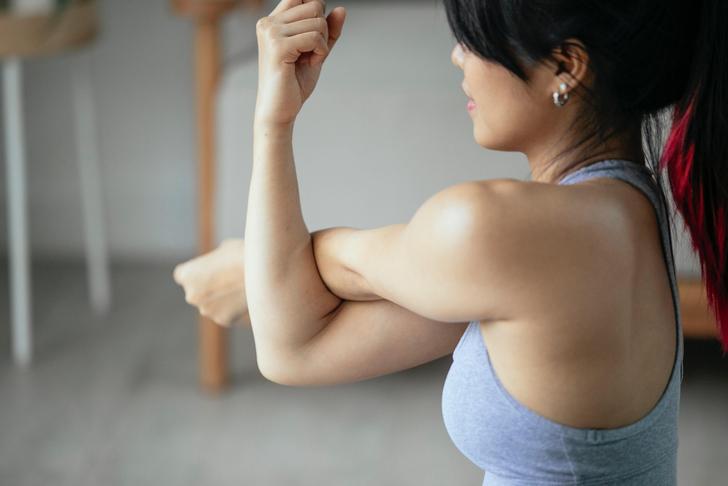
(490, 249)
(494, 209)
(514, 238)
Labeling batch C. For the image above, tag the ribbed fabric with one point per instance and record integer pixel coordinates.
(515, 446)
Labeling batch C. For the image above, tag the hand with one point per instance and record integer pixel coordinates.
(215, 283)
(293, 42)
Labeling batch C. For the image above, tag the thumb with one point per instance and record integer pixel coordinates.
(335, 20)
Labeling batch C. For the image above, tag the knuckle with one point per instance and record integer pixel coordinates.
(262, 23)
(274, 43)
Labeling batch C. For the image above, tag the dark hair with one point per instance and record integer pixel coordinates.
(656, 65)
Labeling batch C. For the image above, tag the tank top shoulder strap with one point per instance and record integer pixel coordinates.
(644, 179)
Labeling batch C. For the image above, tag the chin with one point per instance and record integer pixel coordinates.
(493, 141)
(488, 140)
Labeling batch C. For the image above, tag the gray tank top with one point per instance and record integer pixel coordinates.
(515, 446)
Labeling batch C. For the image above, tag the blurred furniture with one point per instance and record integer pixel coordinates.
(698, 321)
(37, 33)
(207, 15)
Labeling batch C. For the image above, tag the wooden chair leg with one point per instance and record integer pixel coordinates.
(213, 338)
(698, 322)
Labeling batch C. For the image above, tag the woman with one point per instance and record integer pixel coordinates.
(557, 296)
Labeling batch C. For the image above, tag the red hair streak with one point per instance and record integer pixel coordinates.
(704, 214)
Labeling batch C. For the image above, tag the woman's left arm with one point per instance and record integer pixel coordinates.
(287, 300)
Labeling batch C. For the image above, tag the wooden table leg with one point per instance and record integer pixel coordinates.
(213, 342)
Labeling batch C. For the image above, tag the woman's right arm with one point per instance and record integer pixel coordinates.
(388, 337)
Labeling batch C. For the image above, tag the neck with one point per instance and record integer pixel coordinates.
(546, 168)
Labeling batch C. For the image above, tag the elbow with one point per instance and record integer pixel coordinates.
(276, 377)
(279, 371)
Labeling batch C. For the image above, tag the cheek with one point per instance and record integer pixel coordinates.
(501, 121)
(506, 114)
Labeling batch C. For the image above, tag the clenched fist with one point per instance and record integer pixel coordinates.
(215, 283)
(293, 42)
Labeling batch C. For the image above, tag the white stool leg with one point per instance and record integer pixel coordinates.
(20, 277)
(97, 261)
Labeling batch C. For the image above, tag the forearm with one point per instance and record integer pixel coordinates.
(287, 299)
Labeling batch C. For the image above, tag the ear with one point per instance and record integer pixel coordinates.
(571, 64)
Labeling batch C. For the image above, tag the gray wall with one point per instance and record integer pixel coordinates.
(385, 128)
(141, 72)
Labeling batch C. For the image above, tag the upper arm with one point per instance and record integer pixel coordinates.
(420, 270)
(363, 340)
(446, 262)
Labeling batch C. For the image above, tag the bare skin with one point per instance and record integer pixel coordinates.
(570, 290)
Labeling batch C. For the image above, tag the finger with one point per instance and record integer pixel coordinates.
(184, 269)
(216, 319)
(313, 42)
(335, 24)
(308, 9)
(180, 272)
(284, 5)
(218, 316)
(199, 295)
(238, 289)
(226, 306)
(192, 298)
(317, 24)
(213, 298)
(227, 310)
(335, 21)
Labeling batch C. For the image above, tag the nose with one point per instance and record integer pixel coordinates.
(457, 54)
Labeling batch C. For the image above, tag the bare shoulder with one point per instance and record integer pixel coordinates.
(578, 213)
(545, 241)
(490, 249)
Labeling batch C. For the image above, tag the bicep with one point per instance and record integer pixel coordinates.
(365, 340)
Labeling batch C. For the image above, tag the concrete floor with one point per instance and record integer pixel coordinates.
(115, 401)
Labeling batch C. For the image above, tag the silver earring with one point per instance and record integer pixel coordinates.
(561, 96)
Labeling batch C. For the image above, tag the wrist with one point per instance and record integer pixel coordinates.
(263, 124)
